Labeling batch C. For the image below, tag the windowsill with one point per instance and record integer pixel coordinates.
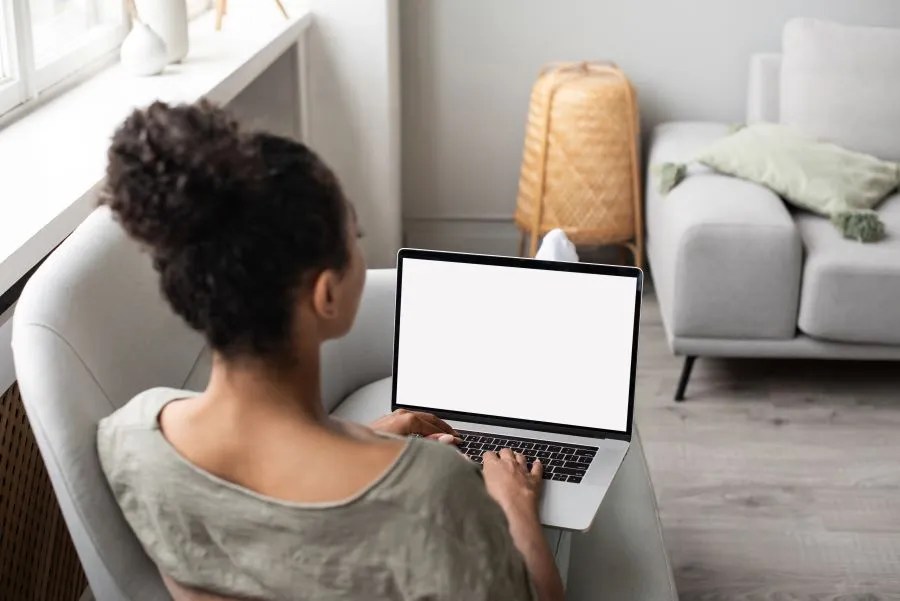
(52, 160)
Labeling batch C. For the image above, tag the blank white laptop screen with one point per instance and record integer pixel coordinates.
(532, 344)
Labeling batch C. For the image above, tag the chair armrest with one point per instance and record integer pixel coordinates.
(623, 556)
(366, 353)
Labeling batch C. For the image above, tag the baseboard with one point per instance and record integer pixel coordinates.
(492, 237)
(489, 236)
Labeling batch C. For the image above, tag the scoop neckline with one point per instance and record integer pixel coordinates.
(408, 446)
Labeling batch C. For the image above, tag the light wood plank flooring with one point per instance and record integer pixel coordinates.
(776, 480)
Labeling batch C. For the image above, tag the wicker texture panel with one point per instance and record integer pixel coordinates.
(579, 166)
(37, 559)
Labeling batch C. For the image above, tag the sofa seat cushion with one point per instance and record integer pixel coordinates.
(724, 252)
(851, 291)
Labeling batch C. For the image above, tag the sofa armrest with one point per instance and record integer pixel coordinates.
(366, 353)
(725, 253)
(764, 88)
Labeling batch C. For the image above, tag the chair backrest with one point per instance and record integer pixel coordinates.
(763, 89)
(90, 331)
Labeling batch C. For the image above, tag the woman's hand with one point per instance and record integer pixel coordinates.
(518, 490)
(509, 482)
(405, 422)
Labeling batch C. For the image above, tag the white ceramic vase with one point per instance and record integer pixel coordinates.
(168, 18)
(143, 52)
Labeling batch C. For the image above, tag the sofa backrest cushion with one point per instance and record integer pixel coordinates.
(841, 83)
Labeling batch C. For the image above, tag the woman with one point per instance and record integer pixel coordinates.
(249, 490)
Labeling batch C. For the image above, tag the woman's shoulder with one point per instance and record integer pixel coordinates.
(459, 530)
(443, 467)
(142, 411)
(125, 433)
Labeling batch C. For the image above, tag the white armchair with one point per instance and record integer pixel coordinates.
(91, 330)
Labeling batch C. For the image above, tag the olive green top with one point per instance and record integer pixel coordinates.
(426, 529)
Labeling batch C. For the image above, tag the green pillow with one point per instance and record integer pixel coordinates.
(823, 178)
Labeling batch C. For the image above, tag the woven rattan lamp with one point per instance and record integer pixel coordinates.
(580, 166)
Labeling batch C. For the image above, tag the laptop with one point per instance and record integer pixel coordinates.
(536, 356)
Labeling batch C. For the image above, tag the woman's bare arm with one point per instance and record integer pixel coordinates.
(517, 491)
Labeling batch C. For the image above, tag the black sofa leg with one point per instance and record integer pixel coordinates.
(685, 376)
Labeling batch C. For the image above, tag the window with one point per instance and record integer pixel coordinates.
(10, 87)
(45, 41)
(5, 70)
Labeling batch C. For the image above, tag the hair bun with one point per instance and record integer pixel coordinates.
(178, 174)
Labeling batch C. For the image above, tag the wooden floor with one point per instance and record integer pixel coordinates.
(776, 480)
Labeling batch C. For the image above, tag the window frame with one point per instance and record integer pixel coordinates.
(97, 43)
(28, 82)
(12, 85)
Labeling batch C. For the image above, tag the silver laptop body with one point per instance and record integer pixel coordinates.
(538, 354)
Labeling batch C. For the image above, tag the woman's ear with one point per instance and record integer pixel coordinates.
(326, 295)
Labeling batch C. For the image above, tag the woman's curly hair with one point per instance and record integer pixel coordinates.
(234, 220)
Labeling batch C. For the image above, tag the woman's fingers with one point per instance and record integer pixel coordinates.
(520, 459)
(506, 454)
(537, 469)
(444, 438)
(437, 422)
(417, 425)
(489, 456)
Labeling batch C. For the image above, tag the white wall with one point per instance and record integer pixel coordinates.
(353, 95)
(354, 111)
(270, 102)
(468, 67)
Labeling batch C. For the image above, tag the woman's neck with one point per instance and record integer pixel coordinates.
(283, 387)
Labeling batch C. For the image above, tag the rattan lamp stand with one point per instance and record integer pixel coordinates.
(580, 170)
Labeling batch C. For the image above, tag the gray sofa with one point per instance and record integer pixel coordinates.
(740, 274)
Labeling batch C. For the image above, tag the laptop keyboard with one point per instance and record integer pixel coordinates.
(562, 461)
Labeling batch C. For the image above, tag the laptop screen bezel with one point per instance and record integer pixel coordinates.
(516, 262)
